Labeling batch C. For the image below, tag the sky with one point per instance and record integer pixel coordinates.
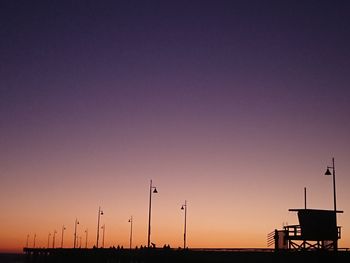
(234, 106)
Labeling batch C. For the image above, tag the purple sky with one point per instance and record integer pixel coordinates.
(181, 90)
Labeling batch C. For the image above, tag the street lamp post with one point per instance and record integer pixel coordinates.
(27, 243)
(103, 235)
(149, 211)
(100, 212)
(130, 221)
(86, 237)
(34, 240)
(48, 240)
(63, 228)
(53, 239)
(184, 207)
(75, 232)
(328, 172)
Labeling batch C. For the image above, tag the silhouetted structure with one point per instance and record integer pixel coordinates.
(317, 230)
(161, 255)
(100, 213)
(184, 207)
(151, 187)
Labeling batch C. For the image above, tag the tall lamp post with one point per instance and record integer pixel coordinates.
(328, 172)
(27, 243)
(53, 239)
(63, 228)
(86, 237)
(184, 207)
(130, 221)
(34, 240)
(100, 213)
(48, 240)
(75, 232)
(151, 187)
(103, 235)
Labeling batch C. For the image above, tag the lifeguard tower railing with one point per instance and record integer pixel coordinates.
(317, 230)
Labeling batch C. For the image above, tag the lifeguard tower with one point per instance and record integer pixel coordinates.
(317, 230)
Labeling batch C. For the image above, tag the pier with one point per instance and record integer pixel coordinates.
(36, 255)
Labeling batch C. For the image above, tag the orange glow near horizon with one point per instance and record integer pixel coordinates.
(221, 213)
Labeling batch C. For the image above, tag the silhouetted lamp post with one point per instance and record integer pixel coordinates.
(48, 240)
(86, 237)
(27, 243)
(103, 235)
(130, 221)
(100, 213)
(328, 172)
(184, 207)
(63, 228)
(34, 240)
(75, 232)
(151, 187)
(53, 239)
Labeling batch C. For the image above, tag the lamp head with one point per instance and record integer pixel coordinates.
(155, 191)
(328, 172)
(182, 208)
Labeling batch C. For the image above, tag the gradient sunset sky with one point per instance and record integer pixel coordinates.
(234, 106)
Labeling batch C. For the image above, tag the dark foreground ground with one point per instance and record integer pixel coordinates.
(170, 255)
(12, 258)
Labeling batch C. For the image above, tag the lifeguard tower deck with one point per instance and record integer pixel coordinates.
(317, 230)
